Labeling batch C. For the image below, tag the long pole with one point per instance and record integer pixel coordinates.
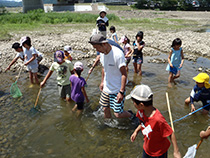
(169, 111)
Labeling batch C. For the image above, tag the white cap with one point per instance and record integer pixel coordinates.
(22, 40)
(141, 93)
(102, 11)
(68, 49)
(78, 65)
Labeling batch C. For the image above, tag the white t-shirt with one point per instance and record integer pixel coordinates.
(20, 55)
(28, 55)
(112, 62)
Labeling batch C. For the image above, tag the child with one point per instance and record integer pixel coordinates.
(175, 60)
(31, 62)
(78, 93)
(19, 54)
(64, 69)
(205, 134)
(102, 22)
(200, 92)
(67, 53)
(152, 124)
(138, 45)
(127, 50)
(114, 34)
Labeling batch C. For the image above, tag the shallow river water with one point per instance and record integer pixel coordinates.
(57, 132)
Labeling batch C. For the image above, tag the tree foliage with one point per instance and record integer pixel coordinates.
(174, 4)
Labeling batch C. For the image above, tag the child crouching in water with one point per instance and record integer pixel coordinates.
(78, 93)
(153, 125)
(175, 60)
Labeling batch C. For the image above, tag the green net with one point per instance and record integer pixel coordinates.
(15, 91)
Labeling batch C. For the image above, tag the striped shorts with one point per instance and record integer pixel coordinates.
(110, 100)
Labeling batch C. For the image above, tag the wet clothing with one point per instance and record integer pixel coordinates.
(63, 72)
(155, 130)
(76, 92)
(200, 94)
(176, 59)
(102, 20)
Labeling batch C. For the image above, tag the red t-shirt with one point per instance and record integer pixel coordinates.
(155, 130)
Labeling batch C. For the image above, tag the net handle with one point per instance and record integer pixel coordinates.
(19, 74)
(37, 98)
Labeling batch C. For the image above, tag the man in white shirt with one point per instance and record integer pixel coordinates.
(114, 77)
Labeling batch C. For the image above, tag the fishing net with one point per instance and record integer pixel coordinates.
(15, 91)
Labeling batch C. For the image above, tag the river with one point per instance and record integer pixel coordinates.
(57, 132)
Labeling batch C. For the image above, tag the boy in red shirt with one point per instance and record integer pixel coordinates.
(152, 124)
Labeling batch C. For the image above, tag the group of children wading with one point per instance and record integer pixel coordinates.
(115, 60)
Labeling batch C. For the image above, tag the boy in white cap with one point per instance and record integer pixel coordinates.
(67, 52)
(153, 125)
(200, 92)
(78, 93)
(64, 69)
(102, 22)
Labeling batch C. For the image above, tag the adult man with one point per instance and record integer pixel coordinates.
(114, 77)
(111, 42)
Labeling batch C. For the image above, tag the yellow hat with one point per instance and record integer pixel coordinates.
(202, 78)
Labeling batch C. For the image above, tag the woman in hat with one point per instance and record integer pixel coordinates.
(102, 22)
(200, 92)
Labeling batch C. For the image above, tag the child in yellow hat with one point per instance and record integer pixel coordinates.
(200, 92)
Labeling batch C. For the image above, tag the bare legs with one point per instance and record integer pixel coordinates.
(107, 113)
(137, 68)
(33, 75)
(78, 112)
(171, 78)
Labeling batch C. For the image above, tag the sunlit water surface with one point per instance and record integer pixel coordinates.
(57, 132)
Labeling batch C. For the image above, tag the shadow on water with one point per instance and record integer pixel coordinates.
(57, 132)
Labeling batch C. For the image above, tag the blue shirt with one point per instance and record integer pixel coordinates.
(200, 94)
(113, 43)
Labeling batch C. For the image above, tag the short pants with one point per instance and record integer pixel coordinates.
(137, 60)
(145, 155)
(127, 60)
(33, 70)
(110, 100)
(64, 91)
(39, 58)
(80, 105)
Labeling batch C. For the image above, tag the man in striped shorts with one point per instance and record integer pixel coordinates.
(114, 77)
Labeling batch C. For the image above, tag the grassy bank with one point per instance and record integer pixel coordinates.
(38, 20)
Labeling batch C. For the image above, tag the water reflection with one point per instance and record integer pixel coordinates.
(57, 132)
